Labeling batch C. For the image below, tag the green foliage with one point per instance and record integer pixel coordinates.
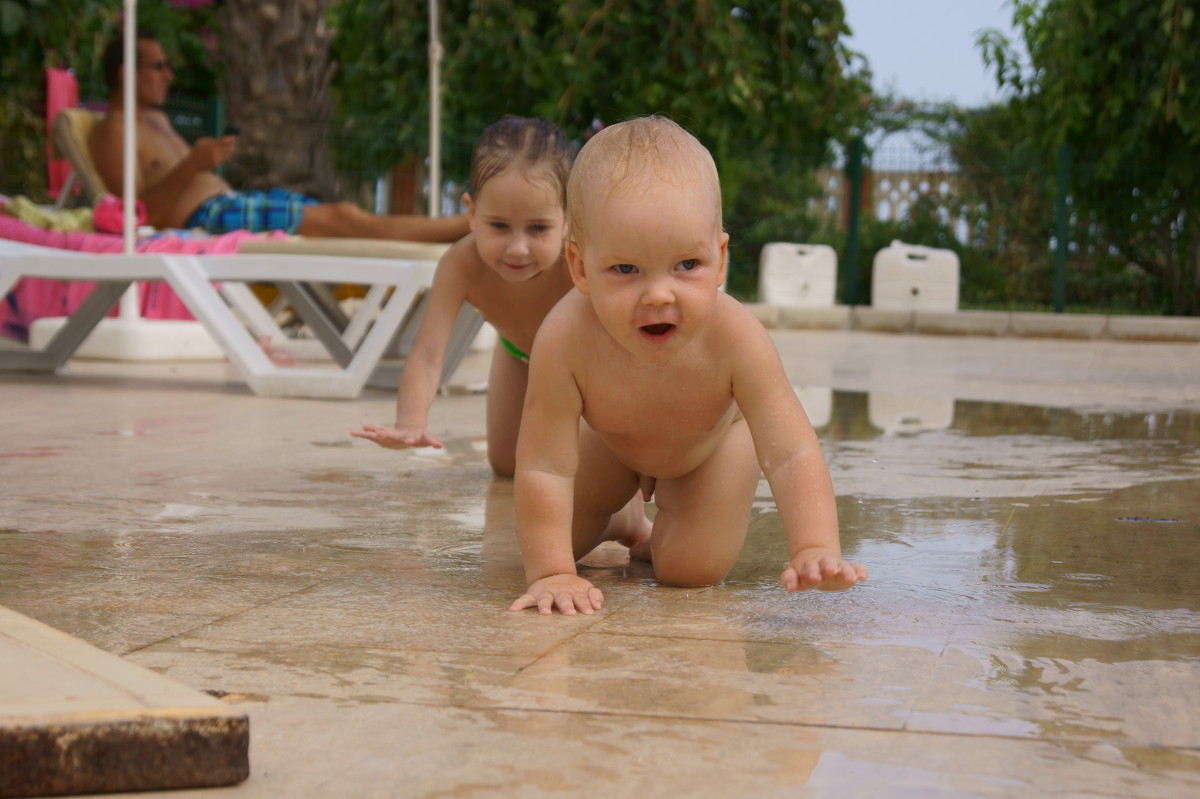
(1116, 80)
(35, 34)
(766, 85)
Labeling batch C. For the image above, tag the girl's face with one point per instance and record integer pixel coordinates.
(519, 225)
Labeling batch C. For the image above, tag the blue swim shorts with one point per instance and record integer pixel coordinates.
(255, 211)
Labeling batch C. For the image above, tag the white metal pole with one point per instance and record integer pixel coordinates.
(435, 113)
(129, 301)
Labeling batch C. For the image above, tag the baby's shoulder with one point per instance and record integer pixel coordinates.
(732, 318)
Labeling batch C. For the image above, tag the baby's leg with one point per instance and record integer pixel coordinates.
(702, 517)
(607, 504)
(507, 381)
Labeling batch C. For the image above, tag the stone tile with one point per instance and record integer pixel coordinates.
(982, 691)
(876, 320)
(816, 684)
(1045, 325)
(1154, 328)
(1031, 563)
(382, 751)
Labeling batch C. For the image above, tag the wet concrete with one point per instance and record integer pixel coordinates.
(1029, 510)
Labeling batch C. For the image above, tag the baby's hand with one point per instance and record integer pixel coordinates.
(570, 593)
(823, 569)
(397, 437)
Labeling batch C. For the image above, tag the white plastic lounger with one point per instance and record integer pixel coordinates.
(234, 317)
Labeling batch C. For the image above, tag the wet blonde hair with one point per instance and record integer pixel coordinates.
(627, 155)
(534, 146)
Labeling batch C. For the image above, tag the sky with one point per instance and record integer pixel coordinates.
(925, 49)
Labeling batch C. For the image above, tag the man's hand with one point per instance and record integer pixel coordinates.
(822, 569)
(397, 437)
(209, 153)
(570, 593)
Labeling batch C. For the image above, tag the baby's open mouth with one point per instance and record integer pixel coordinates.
(659, 329)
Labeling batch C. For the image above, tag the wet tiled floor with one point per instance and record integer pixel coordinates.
(1029, 511)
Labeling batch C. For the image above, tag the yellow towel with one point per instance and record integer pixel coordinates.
(63, 221)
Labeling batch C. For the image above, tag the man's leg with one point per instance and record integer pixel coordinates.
(346, 220)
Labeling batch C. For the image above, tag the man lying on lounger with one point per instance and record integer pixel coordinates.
(180, 189)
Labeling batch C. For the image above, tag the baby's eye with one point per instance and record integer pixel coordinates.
(499, 225)
(689, 264)
(625, 269)
(538, 228)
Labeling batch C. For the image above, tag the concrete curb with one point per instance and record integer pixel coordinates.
(995, 324)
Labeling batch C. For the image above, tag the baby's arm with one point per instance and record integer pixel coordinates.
(423, 367)
(547, 459)
(790, 456)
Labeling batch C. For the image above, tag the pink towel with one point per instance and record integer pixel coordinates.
(109, 214)
(62, 91)
(33, 298)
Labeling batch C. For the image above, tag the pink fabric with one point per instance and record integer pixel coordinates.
(33, 298)
(62, 91)
(109, 214)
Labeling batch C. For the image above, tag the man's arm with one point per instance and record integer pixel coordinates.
(203, 156)
(108, 152)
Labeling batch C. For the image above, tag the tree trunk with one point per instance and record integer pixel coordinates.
(277, 94)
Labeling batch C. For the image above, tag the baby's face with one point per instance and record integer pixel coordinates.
(652, 260)
(519, 224)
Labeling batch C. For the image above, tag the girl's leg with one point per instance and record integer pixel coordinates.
(702, 517)
(507, 381)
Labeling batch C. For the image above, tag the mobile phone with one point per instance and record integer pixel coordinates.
(231, 130)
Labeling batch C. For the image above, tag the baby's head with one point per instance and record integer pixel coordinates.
(628, 156)
(537, 149)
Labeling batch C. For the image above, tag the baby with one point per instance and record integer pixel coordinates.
(680, 390)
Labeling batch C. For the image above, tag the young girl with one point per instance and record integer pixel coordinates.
(510, 267)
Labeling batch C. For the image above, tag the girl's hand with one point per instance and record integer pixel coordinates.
(570, 593)
(397, 437)
(821, 569)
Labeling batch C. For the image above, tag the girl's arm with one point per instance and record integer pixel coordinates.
(423, 367)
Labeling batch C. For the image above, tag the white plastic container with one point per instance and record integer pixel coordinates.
(797, 275)
(908, 277)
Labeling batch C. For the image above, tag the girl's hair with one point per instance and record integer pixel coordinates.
(534, 146)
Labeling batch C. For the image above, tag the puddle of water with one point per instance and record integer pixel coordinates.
(1039, 555)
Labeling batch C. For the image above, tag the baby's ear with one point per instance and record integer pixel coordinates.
(575, 265)
(724, 246)
(470, 203)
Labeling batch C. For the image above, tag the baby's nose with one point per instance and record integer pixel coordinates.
(658, 292)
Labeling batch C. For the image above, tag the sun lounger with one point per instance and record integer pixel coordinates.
(231, 314)
(301, 269)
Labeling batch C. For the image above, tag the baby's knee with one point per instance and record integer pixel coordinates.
(688, 575)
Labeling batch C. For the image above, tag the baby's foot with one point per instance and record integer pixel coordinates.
(631, 528)
(640, 549)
